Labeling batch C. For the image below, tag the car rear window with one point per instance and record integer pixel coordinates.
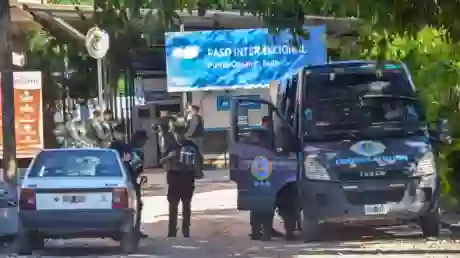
(76, 163)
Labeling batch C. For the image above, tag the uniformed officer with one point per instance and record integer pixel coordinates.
(138, 140)
(132, 157)
(285, 204)
(180, 165)
(95, 131)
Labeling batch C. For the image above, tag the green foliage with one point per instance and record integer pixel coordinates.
(48, 54)
(433, 60)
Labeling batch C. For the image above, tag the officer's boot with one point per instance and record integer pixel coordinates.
(172, 226)
(267, 226)
(186, 217)
(256, 226)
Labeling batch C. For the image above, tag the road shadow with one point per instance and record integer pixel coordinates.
(152, 189)
(224, 233)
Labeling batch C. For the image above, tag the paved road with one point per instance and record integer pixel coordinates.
(219, 231)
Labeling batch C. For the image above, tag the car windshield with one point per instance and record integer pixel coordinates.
(76, 163)
(364, 102)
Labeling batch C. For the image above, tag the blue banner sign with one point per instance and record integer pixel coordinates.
(223, 59)
(223, 103)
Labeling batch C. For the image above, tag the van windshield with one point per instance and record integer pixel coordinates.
(361, 103)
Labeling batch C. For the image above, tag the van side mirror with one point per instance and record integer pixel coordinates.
(442, 131)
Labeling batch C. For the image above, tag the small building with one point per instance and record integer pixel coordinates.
(147, 66)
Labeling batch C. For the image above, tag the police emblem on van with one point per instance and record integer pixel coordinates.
(368, 148)
(261, 168)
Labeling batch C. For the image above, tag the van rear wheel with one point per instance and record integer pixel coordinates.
(430, 223)
(24, 243)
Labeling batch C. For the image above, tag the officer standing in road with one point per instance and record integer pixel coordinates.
(138, 140)
(133, 159)
(285, 203)
(195, 133)
(162, 127)
(180, 164)
(195, 126)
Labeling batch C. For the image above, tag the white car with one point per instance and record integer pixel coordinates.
(8, 213)
(77, 193)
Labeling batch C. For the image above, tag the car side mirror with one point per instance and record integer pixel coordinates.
(442, 131)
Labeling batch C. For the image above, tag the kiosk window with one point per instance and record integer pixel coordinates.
(143, 113)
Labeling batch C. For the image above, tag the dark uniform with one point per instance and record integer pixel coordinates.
(138, 141)
(134, 166)
(285, 203)
(181, 181)
(195, 133)
(96, 133)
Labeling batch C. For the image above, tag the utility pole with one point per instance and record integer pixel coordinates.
(7, 93)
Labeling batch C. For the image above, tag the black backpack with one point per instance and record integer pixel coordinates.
(188, 157)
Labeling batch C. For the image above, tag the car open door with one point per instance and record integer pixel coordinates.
(258, 165)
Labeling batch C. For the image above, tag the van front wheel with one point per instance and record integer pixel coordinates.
(430, 223)
(311, 228)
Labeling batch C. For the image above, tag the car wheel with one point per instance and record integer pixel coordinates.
(311, 228)
(37, 242)
(430, 223)
(129, 240)
(23, 243)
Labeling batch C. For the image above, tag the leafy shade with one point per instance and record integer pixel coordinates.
(428, 52)
(408, 16)
(48, 54)
(434, 62)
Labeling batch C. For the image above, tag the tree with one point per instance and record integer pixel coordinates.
(433, 60)
(400, 16)
(49, 54)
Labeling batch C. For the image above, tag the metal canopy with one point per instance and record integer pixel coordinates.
(212, 19)
(56, 25)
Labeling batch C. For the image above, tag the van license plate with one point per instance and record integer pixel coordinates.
(375, 209)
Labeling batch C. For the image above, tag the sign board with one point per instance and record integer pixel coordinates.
(223, 102)
(28, 114)
(228, 59)
(97, 42)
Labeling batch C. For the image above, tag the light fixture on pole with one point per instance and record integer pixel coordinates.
(97, 44)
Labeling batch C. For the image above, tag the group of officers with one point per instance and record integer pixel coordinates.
(177, 134)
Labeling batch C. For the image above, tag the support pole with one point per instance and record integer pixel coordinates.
(185, 93)
(100, 85)
(7, 93)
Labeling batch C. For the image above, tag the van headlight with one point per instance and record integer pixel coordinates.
(314, 170)
(426, 165)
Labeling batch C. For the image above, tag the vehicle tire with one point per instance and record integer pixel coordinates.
(23, 243)
(37, 242)
(311, 228)
(430, 223)
(129, 240)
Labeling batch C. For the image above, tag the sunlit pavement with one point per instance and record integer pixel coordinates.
(219, 231)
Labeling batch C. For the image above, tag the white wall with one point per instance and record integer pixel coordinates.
(220, 119)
